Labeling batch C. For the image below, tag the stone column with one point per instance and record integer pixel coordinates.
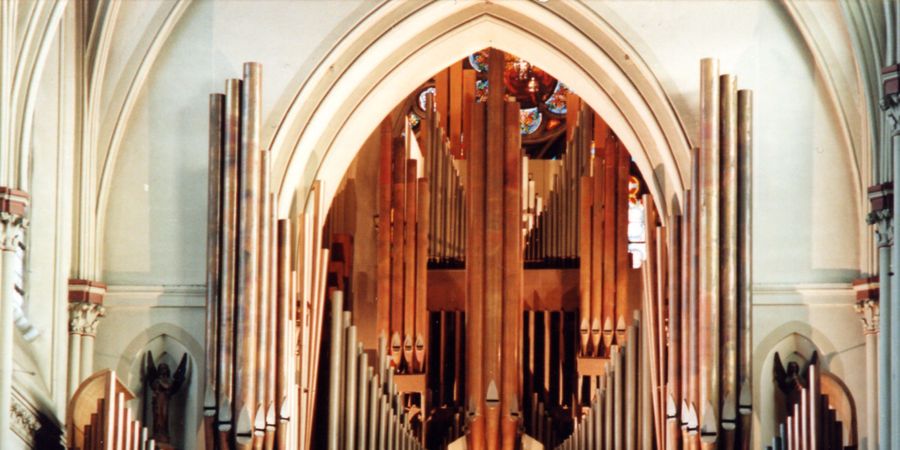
(85, 310)
(867, 307)
(881, 198)
(13, 205)
(889, 349)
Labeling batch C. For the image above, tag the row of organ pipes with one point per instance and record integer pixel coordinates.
(98, 417)
(813, 423)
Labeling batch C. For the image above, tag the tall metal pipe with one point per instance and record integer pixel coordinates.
(335, 369)
(709, 244)
(728, 260)
(673, 384)
(475, 264)
(285, 342)
(585, 312)
(512, 276)
(421, 307)
(213, 260)
(227, 280)
(248, 278)
(745, 265)
(262, 337)
(351, 412)
(631, 387)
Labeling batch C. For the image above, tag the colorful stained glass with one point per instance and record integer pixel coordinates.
(414, 120)
(557, 101)
(422, 96)
(479, 61)
(529, 120)
(481, 90)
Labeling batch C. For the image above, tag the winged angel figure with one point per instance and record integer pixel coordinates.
(790, 380)
(163, 385)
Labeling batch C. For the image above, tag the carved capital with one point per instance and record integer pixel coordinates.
(13, 221)
(84, 317)
(884, 227)
(890, 104)
(867, 303)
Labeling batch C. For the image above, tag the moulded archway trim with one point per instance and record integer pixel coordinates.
(400, 44)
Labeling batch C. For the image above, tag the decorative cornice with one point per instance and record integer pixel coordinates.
(84, 317)
(890, 103)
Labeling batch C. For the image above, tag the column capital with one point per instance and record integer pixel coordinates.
(867, 303)
(85, 306)
(881, 199)
(13, 220)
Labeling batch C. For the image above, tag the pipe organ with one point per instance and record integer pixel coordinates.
(813, 422)
(697, 283)
(263, 309)
(612, 353)
(98, 418)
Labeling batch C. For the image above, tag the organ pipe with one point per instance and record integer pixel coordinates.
(260, 339)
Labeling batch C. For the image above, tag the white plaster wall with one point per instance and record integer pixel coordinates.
(155, 232)
(805, 201)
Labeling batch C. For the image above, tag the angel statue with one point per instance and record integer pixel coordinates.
(163, 385)
(789, 381)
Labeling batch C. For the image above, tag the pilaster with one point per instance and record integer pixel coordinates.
(85, 310)
(889, 335)
(13, 222)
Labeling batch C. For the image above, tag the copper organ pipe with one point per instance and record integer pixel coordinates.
(596, 252)
(247, 313)
(584, 268)
(745, 266)
(409, 263)
(475, 283)
(728, 257)
(421, 301)
(213, 260)
(227, 280)
(512, 276)
(709, 244)
(284, 335)
(272, 328)
(262, 337)
(383, 236)
(673, 385)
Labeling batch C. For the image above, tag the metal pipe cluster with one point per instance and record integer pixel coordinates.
(554, 236)
(404, 219)
(813, 424)
(697, 283)
(365, 410)
(250, 358)
(616, 417)
(447, 216)
(603, 242)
